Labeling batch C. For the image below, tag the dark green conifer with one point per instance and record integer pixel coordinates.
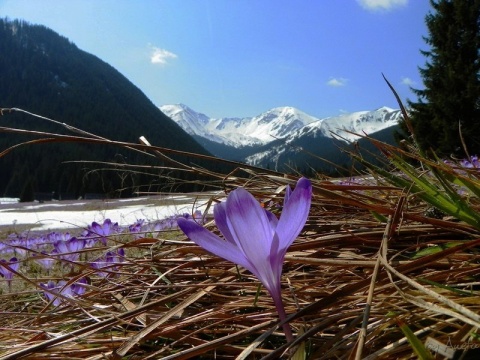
(448, 108)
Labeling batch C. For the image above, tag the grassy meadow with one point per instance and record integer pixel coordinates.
(386, 267)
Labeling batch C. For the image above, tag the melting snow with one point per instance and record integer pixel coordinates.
(64, 215)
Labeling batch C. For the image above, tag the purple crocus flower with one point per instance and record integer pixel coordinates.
(7, 272)
(254, 237)
(103, 231)
(79, 287)
(108, 262)
(137, 226)
(471, 163)
(52, 290)
(69, 250)
(45, 260)
(57, 288)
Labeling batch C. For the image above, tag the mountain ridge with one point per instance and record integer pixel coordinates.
(278, 123)
(287, 134)
(233, 131)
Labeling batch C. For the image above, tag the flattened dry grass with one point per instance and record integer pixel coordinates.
(172, 300)
(372, 276)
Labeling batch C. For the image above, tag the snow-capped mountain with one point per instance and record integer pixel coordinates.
(279, 123)
(284, 138)
(262, 129)
(345, 126)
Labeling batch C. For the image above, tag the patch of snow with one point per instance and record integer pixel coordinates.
(9, 200)
(149, 210)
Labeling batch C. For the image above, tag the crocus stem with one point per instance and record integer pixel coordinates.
(282, 315)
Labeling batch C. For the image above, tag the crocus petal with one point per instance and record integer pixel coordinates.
(249, 225)
(212, 243)
(294, 214)
(272, 219)
(220, 216)
(288, 191)
(253, 231)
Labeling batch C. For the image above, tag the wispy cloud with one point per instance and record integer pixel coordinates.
(382, 4)
(337, 82)
(407, 81)
(161, 56)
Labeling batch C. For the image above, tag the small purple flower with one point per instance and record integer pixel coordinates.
(80, 287)
(254, 237)
(105, 263)
(45, 260)
(19, 244)
(137, 226)
(103, 231)
(108, 262)
(52, 290)
(69, 250)
(6, 268)
(57, 288)
(471, 163)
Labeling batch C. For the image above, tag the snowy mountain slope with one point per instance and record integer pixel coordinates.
(286, 138)
(325, 137)
(279, 123)
(312, 150)
(361, 122)
(274, 124)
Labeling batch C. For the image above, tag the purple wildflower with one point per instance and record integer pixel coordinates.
(6, 268)
(108, 262)
(19, 244)
(52, 290)
(254, 237)
(103, 263)
(69, 250)
(79, 287)
(103, 231)
(137, 226)
(46, 261)
(471, 163)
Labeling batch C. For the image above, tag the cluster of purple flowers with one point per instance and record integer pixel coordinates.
(107, 264)
(64, 289)
(63, 248)
(472, 163)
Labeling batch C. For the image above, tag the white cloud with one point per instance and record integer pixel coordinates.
(407, 81)
(161, 56)
(337, 82)
(381, 4)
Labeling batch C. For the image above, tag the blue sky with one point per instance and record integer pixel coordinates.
(229, 58)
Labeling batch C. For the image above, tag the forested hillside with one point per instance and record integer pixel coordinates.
(44, 73)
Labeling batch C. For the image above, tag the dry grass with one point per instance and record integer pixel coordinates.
(171, 300)
(369, 270)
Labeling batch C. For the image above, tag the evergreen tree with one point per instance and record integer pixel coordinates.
(448, 108)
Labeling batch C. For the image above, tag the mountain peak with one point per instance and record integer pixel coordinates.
(253, 139)
(273, 124)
